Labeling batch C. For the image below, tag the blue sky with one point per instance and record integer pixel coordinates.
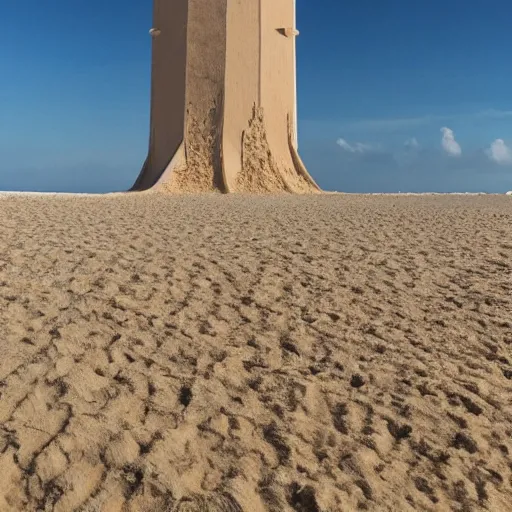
(393, 95)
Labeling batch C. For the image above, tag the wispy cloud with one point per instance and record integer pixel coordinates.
(448, 142)
(408, 153)
(412, 143)
(357, 147)
(394, 124)
(401, 124)
(492, 113)
(499, 152)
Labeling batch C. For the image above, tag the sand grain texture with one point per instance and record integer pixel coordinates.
(237, 353)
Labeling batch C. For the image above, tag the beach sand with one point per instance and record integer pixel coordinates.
(235, 353)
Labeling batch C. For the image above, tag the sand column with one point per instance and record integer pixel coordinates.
(277, 74)
(205, 83)
(223, 100)
(168, 72)
(242, 83)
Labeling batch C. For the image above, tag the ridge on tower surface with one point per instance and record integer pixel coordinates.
(223, 99)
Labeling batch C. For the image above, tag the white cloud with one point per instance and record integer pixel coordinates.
(450, 145)
(499, 152)
(342, 143)
(412, 143)
(357, 147)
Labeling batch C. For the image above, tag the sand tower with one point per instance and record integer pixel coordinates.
(223, 98)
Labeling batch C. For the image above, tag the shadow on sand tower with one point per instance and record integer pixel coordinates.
(223, 99)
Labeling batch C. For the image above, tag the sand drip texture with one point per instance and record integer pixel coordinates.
(201, 172)
(203, 167)
(236, 353)
(260, 172)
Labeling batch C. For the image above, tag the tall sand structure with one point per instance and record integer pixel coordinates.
(223, 98)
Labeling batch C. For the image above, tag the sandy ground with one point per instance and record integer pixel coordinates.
(326, 353)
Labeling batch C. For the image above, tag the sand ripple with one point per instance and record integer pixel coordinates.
(327, 353)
